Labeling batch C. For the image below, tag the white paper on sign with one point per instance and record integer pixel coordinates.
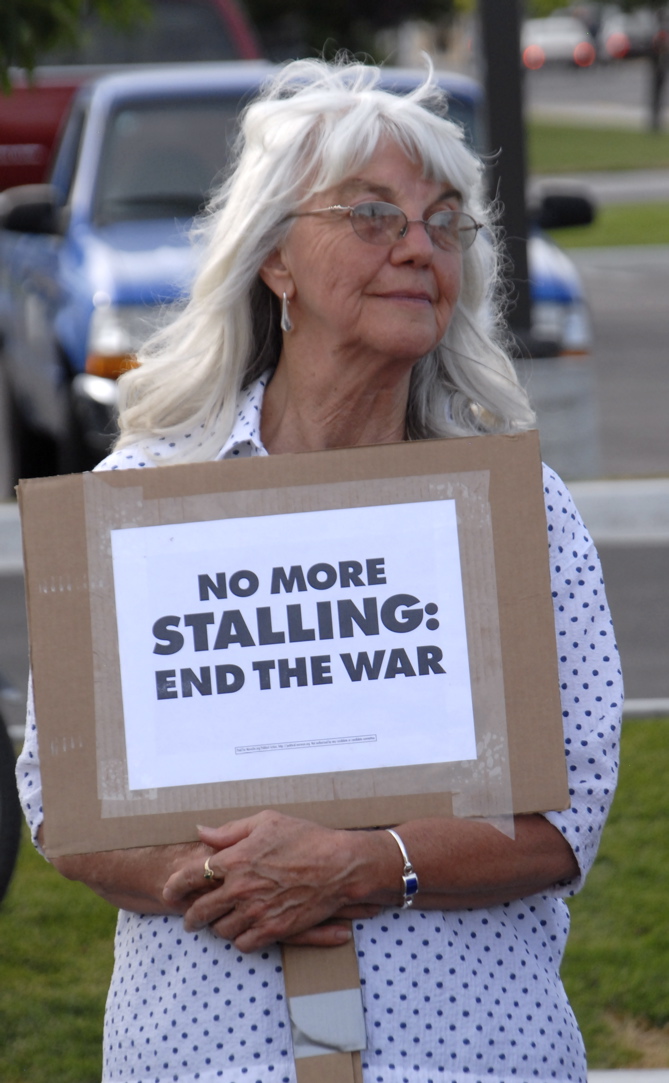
(292, 644)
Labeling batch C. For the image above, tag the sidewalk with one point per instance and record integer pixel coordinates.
(625, 512)
(625, 186)
(594, 114)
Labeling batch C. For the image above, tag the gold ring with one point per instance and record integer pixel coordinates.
(208, 871)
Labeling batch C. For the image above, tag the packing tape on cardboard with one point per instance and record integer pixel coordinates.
(325, 1023)
(479, 787)
(326, 1012)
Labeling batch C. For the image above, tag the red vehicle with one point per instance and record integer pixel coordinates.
(178, 30)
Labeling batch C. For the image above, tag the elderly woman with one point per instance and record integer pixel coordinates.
(346, 297)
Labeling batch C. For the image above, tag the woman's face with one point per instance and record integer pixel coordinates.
(357, 298)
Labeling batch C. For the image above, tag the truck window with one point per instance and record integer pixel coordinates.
(176, 31)
(67, 156)
(161, 159)
(468, 116)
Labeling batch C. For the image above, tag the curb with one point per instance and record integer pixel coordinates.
(626, 512)
(646, 708)
(630, 1075)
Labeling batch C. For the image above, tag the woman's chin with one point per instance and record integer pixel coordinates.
(408, 351)
(412, 341)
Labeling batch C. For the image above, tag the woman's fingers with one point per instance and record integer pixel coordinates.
(331, 934)
(272, 877)
(254, 938)
(226, 835)
(192, 877)
(201, 873)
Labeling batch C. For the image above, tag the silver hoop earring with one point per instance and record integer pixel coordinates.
(286, 322)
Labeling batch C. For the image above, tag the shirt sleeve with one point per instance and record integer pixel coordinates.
(28, 777)
(590, 678)
(133, 457)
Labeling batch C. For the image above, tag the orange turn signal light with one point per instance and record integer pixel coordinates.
(110, 366)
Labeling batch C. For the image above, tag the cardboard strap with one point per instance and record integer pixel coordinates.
(326, 1014)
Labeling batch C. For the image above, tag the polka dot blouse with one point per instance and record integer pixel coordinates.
(453, 997)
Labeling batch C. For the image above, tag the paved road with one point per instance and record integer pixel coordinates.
(628, 289)
(637, 581)
(13, 652)
(614, 94)
(629, 521)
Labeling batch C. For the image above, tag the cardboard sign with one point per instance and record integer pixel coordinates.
(327, 621)
(353, 636)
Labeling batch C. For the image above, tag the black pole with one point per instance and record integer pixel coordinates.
(659, 60)
(500, 32)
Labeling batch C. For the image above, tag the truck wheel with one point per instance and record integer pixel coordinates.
(24, 452)
(10, 811)
(10, 453)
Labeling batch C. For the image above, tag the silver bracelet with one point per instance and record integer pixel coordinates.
(409, 876)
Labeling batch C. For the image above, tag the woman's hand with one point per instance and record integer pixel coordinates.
(277, 878)
(283, 879)
(134, 879)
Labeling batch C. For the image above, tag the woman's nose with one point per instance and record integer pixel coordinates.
(414, 244)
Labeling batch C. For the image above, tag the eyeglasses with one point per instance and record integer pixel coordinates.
(384, 223)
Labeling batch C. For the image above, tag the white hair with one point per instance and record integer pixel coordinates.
(312, 126)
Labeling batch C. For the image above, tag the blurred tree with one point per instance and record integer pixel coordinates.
(315, 27)
(30, 27)
(538, 9)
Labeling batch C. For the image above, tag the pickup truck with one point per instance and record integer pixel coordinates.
(175, 31)
(91, 260)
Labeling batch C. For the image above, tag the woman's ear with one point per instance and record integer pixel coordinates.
(276, 275)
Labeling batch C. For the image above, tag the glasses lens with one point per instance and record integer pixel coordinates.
(378, 223)
(452, 229)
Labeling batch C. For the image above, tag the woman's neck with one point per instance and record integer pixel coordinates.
(315, 406)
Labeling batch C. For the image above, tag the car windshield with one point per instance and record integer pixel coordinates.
(173, 31)
(161, 159)
(466, 114)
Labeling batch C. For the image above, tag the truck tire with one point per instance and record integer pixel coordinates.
(10, 811)
(10, 454)
(24, 452)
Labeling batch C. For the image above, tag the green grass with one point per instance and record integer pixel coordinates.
(556, 148)
(56, 943)
(55, 963)
(620, 224)
(617, 965)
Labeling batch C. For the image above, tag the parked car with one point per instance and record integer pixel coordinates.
(175, 31)
(561, 39)
(626, 34)
(90, 261)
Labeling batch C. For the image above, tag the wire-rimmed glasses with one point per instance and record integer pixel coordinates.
(383, 223)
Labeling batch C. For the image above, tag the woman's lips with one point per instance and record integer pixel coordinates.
(407, 295)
